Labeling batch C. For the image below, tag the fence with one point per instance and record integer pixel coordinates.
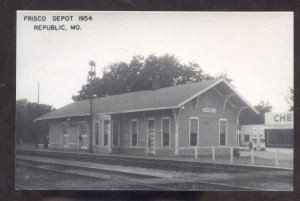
(272, 157)
(211, 152)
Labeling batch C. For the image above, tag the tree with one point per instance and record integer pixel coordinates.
(248, 117)
(137, 75)
(26, 112)
(290, 99)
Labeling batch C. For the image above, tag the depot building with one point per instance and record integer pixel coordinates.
(160, 121)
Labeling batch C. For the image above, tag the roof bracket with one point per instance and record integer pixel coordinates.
(228, 96)
(196, 103)
(144, 116)
(240, 110)
(176, 113)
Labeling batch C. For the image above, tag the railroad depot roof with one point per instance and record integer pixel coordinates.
(162, 98)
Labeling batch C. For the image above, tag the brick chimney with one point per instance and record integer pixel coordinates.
(155, 84)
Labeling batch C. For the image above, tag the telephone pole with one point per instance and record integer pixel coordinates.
(38, 102)
(91, 76)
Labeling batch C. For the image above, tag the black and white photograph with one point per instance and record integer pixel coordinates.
(154, 101)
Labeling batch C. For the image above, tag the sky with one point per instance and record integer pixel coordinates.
(255, 49)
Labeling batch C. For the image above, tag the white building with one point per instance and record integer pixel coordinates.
(279, 129)
(254, 134)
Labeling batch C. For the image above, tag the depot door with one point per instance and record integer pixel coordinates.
(105, 131)
(151, 135)
(65, 135)
(83, 140)
(65, 140)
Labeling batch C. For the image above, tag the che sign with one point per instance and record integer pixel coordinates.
(209, 110)
(279, 119)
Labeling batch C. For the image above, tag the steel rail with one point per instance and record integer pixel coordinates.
(119, 159)
(84, 175)
(140, 183)
(139, 159)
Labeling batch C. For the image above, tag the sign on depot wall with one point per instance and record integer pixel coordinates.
(279, 120)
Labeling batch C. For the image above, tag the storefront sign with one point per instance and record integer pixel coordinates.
(279, 127)
(279, 120)
(209, 110)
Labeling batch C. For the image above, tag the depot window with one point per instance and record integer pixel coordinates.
(134, 132)
(82, 128)
(223, 131)
(97, 132)
(105, 132)
(246, 138)
(165, 131)
(65, 129)
(193, 128)
(115, 132)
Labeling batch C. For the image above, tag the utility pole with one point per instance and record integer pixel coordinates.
(91, 75)
(38, 102)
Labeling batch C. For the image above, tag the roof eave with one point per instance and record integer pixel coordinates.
(199, 93)
(213, 85)
(141, 110)
(109, 113)
(59, 117)
(240, 96)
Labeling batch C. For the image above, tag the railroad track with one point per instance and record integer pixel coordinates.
(173, 183)
(151, 187)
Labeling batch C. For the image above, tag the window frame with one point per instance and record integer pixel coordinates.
(245, 137)
(225, 133)
(118, 122)
(154, 136)
(103, 134)
(99, 135)
(63, 134)
(84, 135)
(162, 133)
(137, 132)
(82, 122)
(197, 136)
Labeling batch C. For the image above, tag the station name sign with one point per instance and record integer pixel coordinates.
(279, 120)
(209, 110)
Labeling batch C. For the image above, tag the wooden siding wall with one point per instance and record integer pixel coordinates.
(208, 122)
(55, 134)
(125, 119)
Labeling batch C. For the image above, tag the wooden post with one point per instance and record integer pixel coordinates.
(213, 153)
(91, 123)
(176, 117)
(110, 135)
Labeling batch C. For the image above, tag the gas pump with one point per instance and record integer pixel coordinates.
(262, 142)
